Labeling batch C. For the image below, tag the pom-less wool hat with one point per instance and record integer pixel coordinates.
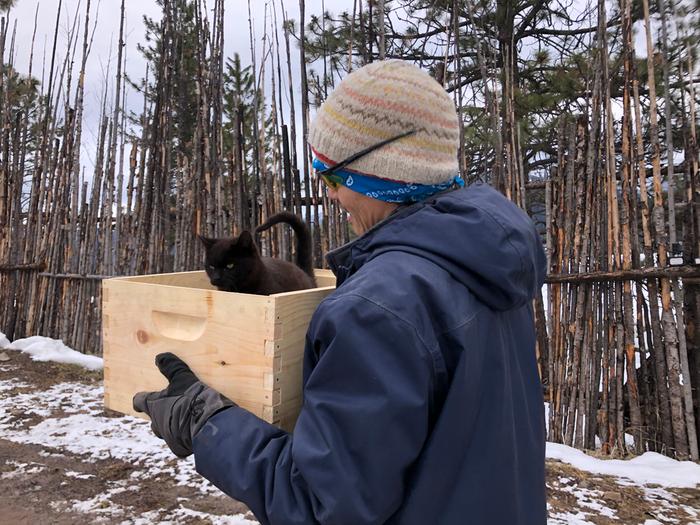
(377, 102)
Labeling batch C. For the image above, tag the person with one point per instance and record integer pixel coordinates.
(422, 401)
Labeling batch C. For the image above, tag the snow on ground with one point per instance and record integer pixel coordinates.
(47, 349)
(66, 420)
(577, 497)
(649, 468)
(71, 420)
(81, 429)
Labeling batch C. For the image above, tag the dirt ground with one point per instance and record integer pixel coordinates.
(41, 483)
(53, 475)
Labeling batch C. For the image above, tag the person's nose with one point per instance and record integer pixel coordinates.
(332, 194)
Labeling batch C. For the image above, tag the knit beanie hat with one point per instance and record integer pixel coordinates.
(382, 100)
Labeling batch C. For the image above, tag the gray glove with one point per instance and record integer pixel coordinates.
(178, 412)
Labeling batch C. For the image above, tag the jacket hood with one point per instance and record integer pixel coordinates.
(478, 236)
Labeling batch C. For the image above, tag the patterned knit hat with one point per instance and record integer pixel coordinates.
(385, 99)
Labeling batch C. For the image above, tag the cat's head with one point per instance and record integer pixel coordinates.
(231, 263)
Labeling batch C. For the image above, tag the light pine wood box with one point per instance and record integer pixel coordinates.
(248, 347)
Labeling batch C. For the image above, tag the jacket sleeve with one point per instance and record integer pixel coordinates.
(362, 425)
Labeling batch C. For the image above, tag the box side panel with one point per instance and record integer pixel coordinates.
(221, 336)
(292, 314)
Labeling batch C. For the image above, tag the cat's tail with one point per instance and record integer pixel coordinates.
(304, 247)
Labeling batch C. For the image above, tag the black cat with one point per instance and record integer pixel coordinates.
(235, 264)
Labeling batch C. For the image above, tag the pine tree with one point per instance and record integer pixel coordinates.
(239, 96)
(491, 38)
(182, 42)
(6, 5)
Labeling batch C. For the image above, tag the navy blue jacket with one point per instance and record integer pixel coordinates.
(422, 402)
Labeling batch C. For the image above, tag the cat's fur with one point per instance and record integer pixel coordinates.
(235, 264)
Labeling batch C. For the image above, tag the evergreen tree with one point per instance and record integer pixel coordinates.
(239, 96)
(6, 5)
(182, 42)
(536, 46)
(22, 108)
(239, 93)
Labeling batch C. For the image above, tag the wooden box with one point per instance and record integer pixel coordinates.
(248, 347)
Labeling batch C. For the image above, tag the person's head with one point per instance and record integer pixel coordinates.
(387, 135)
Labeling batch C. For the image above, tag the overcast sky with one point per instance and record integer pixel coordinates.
(107, 33)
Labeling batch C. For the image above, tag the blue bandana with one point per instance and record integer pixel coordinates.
(387, 190)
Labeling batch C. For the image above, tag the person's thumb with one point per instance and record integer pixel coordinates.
(180, 377)
(170, 365)
(140, 402)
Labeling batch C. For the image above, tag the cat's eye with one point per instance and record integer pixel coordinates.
(230, 266)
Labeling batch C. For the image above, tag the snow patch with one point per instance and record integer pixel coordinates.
(645, 469)
(67, 397)
(100, 504)
(22, 469)
(184, 512)
(590, 499)
(567, 518)
(10, 385)
(47, 349)
(84, 431)
(78, 475)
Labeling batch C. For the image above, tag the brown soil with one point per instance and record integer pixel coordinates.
(40, 484)
(43, 493)
(629, 503)
(42, 375)
(40, 490)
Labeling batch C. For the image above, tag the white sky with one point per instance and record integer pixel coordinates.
(104, 47)
(105, 42)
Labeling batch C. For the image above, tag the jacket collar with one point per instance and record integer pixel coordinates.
(347, 259)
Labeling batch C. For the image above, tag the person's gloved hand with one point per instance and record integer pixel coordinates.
(178, 412)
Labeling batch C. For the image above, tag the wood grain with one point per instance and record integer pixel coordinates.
(248, 347)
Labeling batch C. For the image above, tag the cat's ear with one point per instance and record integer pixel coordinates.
(245, 240)
(206, 241)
